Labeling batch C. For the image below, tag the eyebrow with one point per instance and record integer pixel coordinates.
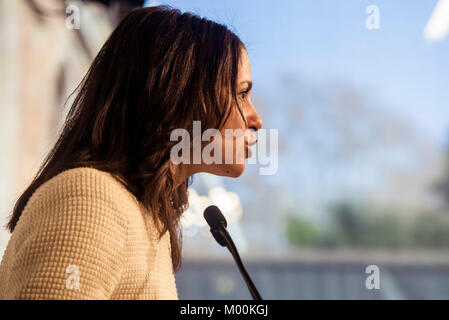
(250, 84)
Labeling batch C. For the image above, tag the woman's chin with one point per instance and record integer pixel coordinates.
(228, 170)
(235, 170)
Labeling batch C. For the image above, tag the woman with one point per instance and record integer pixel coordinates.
(101, 218)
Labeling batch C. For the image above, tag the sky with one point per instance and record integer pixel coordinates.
(327, 41)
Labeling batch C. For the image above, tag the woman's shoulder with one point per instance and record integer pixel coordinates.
(85, 180)
(80, 218)
(84, 186)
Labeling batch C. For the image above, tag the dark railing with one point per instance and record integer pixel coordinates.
(311, 280)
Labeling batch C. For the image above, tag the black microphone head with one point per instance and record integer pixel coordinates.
(215, 219)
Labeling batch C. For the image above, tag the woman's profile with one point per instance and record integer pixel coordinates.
(100, 220)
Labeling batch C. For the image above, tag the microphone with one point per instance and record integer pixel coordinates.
(217, 223)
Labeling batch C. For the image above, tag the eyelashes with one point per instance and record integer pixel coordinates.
(243, 93)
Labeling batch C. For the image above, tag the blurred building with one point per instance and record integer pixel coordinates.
(41, 62)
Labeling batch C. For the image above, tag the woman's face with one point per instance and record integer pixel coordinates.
(235, 138)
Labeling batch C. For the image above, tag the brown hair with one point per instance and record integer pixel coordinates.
(159, 70)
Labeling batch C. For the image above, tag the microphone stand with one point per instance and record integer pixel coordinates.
(231, 246)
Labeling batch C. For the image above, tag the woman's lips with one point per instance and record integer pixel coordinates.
(250, 152)
(252, 140)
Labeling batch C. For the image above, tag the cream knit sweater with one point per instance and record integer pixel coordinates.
(83, 235)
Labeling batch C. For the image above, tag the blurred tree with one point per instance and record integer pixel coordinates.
(431, 230)
(367, 226)
(347, 224)
(442, 186)
(387, 229)
(301, 232)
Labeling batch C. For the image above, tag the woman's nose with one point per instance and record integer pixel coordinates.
(253, 119)
(258, 123)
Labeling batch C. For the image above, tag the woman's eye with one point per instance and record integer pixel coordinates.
(243, 93)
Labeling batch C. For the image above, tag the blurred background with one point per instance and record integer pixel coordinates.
(359, 94)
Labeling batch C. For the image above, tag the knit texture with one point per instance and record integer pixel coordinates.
(83, 235)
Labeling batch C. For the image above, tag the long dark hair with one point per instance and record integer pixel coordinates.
(159, 70)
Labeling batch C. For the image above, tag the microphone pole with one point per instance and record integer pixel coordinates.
(217, 223)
